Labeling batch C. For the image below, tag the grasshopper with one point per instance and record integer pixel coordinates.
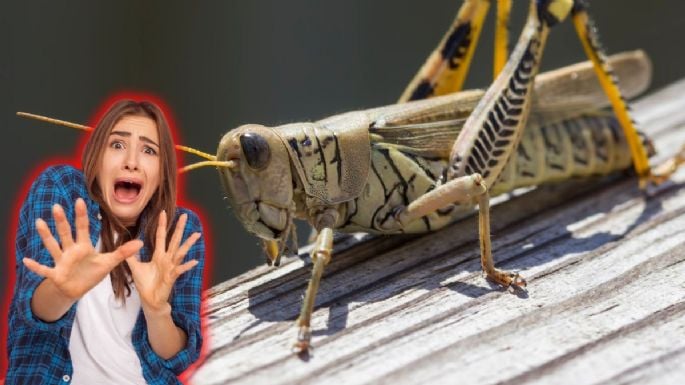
(418, 165)
(414, 167)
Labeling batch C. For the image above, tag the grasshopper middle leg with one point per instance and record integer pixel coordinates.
(467, 189)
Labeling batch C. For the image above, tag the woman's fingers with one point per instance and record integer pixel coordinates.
(82, 231)
(133, 263)
(49, 241)
(37, 268)
(161, 231)
(178, 234)
(62, 225)
(181, 253)
(123, 252)
(185, 267)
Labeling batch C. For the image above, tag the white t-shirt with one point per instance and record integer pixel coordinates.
(100, 345)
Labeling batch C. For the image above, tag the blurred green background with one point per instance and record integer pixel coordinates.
(219, 64)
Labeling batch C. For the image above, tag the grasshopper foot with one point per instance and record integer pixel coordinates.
(662, 172)
(303, 343)
(507, 279)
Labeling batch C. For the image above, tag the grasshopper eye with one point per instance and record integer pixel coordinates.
(256, 150)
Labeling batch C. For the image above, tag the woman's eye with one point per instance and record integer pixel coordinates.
(116, 145)
(149, 150)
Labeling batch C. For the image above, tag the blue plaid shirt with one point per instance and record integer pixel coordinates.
(39, 351)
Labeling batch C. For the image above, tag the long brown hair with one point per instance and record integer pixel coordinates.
(163, 199)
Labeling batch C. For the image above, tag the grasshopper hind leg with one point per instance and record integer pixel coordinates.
(446, 68)
(501, 51)
(587, 34)
(663, 171)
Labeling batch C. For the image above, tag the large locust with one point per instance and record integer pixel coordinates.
(368, 170)
(415, 166)
(418, 165)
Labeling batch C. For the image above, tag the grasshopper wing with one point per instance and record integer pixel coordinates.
(429, 127)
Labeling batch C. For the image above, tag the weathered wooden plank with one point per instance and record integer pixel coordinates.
(622, 353)
(666, 369)
(605, 302)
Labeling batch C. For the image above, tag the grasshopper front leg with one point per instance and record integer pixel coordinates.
(321, 256)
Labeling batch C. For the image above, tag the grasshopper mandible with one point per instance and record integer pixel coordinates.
(416, 166)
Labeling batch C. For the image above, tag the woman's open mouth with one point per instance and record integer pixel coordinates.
(126, 190)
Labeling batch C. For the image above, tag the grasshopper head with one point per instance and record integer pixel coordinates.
(259, 183)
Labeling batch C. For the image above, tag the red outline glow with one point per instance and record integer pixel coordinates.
(75, 161)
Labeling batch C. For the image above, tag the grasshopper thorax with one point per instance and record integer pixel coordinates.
(259, 183)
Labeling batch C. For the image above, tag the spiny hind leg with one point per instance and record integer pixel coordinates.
(587, 34)
(446, 68)
(467, 189)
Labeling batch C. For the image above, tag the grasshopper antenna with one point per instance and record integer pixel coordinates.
(54, 121)
(193, 151)
(211, 159)
(206, 163)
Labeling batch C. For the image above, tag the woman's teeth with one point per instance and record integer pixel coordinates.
(126, 192)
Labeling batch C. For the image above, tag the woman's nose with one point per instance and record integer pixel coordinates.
(131, 161)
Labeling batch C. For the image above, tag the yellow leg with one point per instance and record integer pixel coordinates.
(445, 69)
(588, 38)
(501, 36)
(321, 255)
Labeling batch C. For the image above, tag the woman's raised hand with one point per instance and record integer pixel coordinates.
(78, 266)
(155, 279)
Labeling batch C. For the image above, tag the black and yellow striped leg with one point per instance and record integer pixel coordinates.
(446, 68)
(466, 189)
(501, 52)
(492, 132)
(588, 37)
(321, 256)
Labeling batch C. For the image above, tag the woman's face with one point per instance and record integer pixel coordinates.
(129, 173)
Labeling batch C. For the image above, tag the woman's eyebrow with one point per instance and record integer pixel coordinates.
(148, 140)
(120, 133)
(128, 134)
